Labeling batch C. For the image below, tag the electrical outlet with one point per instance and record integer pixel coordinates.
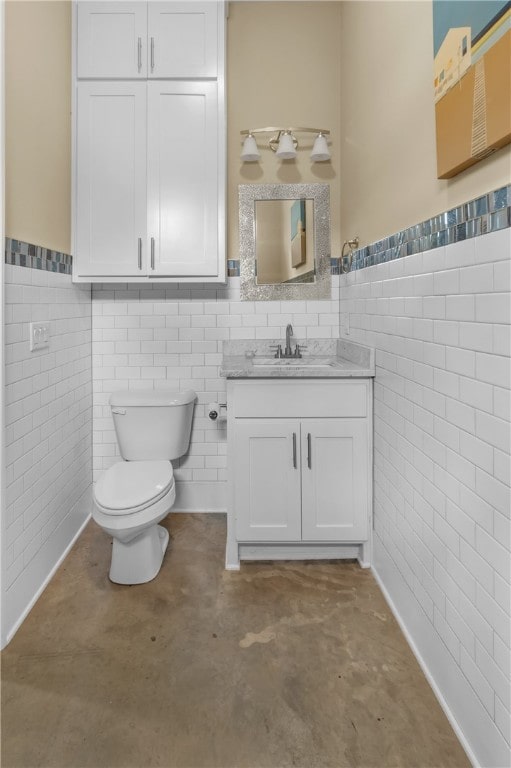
(345, 323)
(39, 336)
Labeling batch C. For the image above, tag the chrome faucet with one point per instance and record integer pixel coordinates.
(289, 332)
(287, 352)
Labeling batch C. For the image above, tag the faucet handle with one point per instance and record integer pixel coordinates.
(277, 347)
(298, 350)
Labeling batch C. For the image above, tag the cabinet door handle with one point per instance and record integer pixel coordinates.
(309, 450)
(152, 253)
(294, 450)
(152, 54)
(139, 48)
(140, 253)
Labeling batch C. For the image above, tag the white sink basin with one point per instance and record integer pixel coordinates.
(303, 362)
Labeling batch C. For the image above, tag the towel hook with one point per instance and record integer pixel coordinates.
(353, 245)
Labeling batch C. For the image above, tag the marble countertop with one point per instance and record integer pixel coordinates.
(323, 359)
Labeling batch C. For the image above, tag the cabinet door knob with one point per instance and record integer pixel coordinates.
(294, 450)
(140, 253)
(152, 253)
(152, 54)
(139, 48)
(309, 450)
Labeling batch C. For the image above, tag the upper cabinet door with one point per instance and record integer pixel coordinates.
(182, 179)
(183, 39)
(110, 229)
(112, 40)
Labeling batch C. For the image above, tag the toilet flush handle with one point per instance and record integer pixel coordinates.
(119, 411)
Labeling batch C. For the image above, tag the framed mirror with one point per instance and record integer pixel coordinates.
(284, 241)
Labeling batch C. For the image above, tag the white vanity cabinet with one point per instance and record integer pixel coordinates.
(300, 483)
(267, 495)
(149, 165)
(300, 480)
(140, 40)
(334, 479)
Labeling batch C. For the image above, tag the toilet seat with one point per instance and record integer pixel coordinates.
(128, 487)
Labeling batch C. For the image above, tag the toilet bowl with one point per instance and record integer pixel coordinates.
(132, 496)
(139, 544)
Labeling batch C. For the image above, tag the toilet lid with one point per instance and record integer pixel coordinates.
(131, 484)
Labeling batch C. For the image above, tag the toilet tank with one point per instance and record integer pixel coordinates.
(152, 424)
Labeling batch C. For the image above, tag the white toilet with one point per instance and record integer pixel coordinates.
(132, 496)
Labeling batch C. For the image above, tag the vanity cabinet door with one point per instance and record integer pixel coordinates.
(334, 480)
(183, 39)
(267, 480)
(112, 39)
(182, 179)
(111, 213)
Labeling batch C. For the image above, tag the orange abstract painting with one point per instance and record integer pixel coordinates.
(472, 81)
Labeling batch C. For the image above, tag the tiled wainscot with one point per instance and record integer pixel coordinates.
(439, 321)
(48, 416)
(153, 337)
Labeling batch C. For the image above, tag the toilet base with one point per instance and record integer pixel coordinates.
(139, 560)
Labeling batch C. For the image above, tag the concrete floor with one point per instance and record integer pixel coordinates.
(289, 664)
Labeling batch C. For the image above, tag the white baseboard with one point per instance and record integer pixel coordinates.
(200, 497)
(483, 743)
(19, 599)
(297, 552)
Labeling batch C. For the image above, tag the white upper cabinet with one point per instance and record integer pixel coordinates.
(112, 40)
(111, 221)
(140, 40)
(182, 178)
(149, 142)
(183, 39)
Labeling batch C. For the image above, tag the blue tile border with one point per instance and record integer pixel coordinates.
(21, 254)
(233, 268)
(485, 214)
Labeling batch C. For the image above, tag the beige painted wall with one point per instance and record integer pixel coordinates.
(388, 123)
(38, 122)
(288, 63)
(283, 68)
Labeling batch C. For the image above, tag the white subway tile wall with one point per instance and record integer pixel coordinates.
(442, 444)
(172, 336)
(439, 322)
(48, 412)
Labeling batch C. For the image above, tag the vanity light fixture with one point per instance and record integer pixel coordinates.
(320, 151)
(284, 143)
(250, 152)
(287, 147)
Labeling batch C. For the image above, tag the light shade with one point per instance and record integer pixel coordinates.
(250, 152)
(286, 149)
(320, 151)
